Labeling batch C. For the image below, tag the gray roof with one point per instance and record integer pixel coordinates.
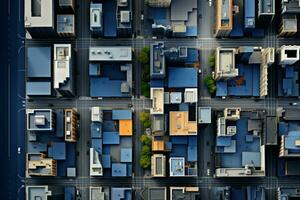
(290, 6)
(39, 62)
(180, 9)
(291, 114)
(37, 193)
(156, 193)
(38, 88)
(204, 115)
(271, 130)
(65, 24)
(266, 7)
(158, 123)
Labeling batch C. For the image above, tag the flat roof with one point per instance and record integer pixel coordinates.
(182, 77)
(157, 193)
(125, 127)
(38, 88)
(177, 165)
(266, 7)
(37, 192)
(204, 115)
(66, 23)
(180, 124)
(157, 97)
(39, 62)
(39, 13)
(110, 53)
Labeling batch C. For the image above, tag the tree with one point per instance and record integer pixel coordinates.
(144, 56)
(145, 140)
(146, 150)
(145, 161)
(145, 89)
(211, 84)
(211, 61)
(144, 116)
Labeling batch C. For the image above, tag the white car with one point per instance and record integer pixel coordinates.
(19, 150)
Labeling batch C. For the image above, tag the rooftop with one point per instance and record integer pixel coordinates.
(110, 53)
(177, 166)
(39, 120)
(37, 192)
(182, 77)
(204, 115)
(225, 63)
(39, 62)
(180, 124)
(39, 13)
(157, 97)
(157, 60)
(266, 7)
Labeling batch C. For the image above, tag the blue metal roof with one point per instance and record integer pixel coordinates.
(221, 89)
(121, 114)
(192, 153)
(182, 77)
(94, 69)
(104, 87)
(96, 130)
(251, 158)
(290, 140)
(97, 144)
(192, 55)
(249, 14)
(191, 31)
(177, 166)
(39, 62)
(121, 193)
(106, 161)
(38, 88)
(59, 150)
(111, 138)
(126, 155)
(118, 169)
(70, 193)
(179, 140)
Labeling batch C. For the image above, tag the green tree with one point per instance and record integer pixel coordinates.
(144, 116)
(144, 55)
(211, 84)
(211, 61)
(145, 161)
(145, 140)
(145, 89)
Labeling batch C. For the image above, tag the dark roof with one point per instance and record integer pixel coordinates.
(271, 131)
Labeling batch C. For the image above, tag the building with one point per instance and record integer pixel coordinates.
(124, 18)
(239, 150)
(225, 64)
(180, 124)
(38, 64)
(96, 19)
(288, 26)
(39, 18)
(71, 124)
(121, 193)
(40, 165)
(40, 192)
(158, 124)
(223, 18)
(284, 193)
(249, 14)
(184, 18)
(40, 120)
(204, 115)
(191, 193)
(159, 3)
(158, 165)
(290, 7)
(65, 25)
(266, 11)
(177, 166)
(96, 114)
(157, 61)
(110, 53)
(157, 97)
(67, 5)
(289, 55)
(63, 77)
(95, 163)
(155, 193)
(97, 193)
(268, 58)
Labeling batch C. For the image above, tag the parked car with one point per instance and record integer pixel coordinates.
(19, 150)
(294, 104)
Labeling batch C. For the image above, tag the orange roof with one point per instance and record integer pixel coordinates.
(125, 127)
(158, 145)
